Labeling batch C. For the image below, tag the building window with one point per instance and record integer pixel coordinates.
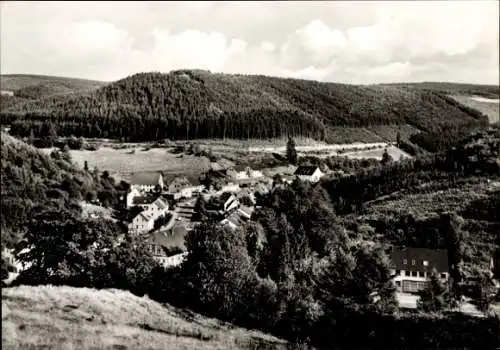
(406, 273)
(405, 261)
(398, 272)
(443, 275)
(398, 283)
(414, 274)
(413, 262)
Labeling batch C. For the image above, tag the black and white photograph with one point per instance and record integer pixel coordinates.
(276, 175)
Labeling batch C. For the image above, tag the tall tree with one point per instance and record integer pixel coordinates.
(386, 157)
(291, 152)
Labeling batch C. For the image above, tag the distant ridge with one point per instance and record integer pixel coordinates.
(191, 104)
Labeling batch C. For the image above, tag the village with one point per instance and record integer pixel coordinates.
(164, 211)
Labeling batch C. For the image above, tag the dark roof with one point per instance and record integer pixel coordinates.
(144, 178)
(143, 200)
(305, 170)
(436, 258)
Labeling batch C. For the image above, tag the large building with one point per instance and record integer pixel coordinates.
(146, 181)
(411, 268)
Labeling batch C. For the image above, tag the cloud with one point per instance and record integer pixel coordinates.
(331, 41)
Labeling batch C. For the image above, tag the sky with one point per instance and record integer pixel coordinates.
(347, 42)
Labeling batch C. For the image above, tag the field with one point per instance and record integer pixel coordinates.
(48, 317)
(125, 159)
(130, 160)
(489, 107)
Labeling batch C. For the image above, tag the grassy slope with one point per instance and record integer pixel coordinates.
(83, 318)
(492, 110)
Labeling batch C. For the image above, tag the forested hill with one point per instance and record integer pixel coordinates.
(190, 104)
(31, 180)
(21, 89)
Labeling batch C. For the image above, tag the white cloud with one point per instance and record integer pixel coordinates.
(384, 41)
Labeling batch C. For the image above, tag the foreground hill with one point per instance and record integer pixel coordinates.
(83, 318)
(190, 104)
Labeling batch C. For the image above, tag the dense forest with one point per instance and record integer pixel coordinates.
(190, 104)
(32, 181)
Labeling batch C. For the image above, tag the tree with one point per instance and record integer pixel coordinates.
(398, 139)
(291, 152)
(434, 297)
(86, 166)
(218, 271)
(66, 155)
(200, 211)
(386, 158)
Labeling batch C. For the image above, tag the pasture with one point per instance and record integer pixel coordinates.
(489, 107)
(49, 317)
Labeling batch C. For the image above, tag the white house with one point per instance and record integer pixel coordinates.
(131, 194)
(309, 173)
(146, 182)
(181, 187)
(154, 207)
(411, 268)
(141, 223)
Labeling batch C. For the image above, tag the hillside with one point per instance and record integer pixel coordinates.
(37, 86)
(487, 91)
(191, 104)
(21, 90)
(31, 179)
(83, 318)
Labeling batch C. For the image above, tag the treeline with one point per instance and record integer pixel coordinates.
(197, 104)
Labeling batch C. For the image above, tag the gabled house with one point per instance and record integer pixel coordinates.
(154, 206)
(131, 194)
(146, 181)
(411, 268)
(181, 187)
(245, 212)
(309, 173)
(230, 202)
(141, 223)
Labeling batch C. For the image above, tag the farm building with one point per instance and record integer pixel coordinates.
(412, 267)
(309, 173)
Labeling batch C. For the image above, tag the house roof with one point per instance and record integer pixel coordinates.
(436, 258)
(305, 170)
(225, 196)
(144, 178)
(247, 210)
(161, 203)
(144, 216)
(181, 182)
(143, 200)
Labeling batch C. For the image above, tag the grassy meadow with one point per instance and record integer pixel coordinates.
(48, 317)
